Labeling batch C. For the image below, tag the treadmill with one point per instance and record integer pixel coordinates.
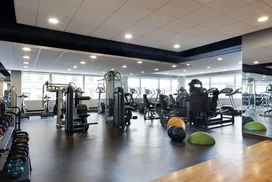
(237, 110)
(232, 108)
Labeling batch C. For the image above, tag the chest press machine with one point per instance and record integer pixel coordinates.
(75, 112)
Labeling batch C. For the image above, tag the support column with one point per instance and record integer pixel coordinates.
(16, 81)
(181, 81)
(1, 87)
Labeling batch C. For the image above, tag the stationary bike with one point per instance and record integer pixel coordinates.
(46, 108)
(100, 105)
(23, 106)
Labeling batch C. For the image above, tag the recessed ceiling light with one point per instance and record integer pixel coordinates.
(124, 66)
(140, 62)
(156, 69)
(240, 62)
(256, 62)
(82, 62)
(112, 69)
(25, 66)
(53, 20)
(74, 66)
(263, 19)
(93, 57)
(68, 69)
(166, 73)
(201, 72)
(174, 66)
(184, 70)
(262, 79)
(247, 74)
(259, 81)
(128, 36)
(26, 57)
(176, 46)
(142, 71)
(131, 73)
(208, 67)
(187, 64)
(219, 59)
(26, 49)
(26, 62)
(225, 69)
(264, 76)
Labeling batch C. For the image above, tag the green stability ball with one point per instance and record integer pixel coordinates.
(201, 138)
(169, 131)
(178, 134)
(254, 126)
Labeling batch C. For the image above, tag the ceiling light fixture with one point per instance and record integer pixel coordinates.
(262, 79)
(166, 73)
(184, 70)
(93, 57)
(219, 59)
(263, 19)
(140, 62)
(82, 62)
(131, 73)
(142, 71)
(156, 69)
(124, 66)
(226, 70)
(26, 62)
(128, 36)
(256, 62)
(26, 57)
(68, 69)
(188, 65)
(25, 66)
(208, 67)
(112, 69)
(26, 49)
(176, 46)
(74, 66)
(53, 20)
(201, 72)
(247, 74)
(264, 76)
(259, 81)
(103, 72)
(174, 66)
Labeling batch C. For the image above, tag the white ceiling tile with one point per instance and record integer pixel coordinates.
(151, 22)
(63, 10)
(204, 2)
(152, 4)
(256, 9)
(213, 36)
(26, 11)
(192, 32)
(201, 15)
(259, 25)
(126, 16)
(158, 34)
(105, 6)
(142, 41)
(177, 26)
(269, 2)
(85, 26)
(219, 22)
(225, 6)
(46, 58)
(106, 32)
(236, 29)
(179, 8)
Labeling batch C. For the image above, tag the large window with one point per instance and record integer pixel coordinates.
(149, 83)
(221, 82)
(134, 83)
(238, 81)
(32, 84)
(174, 86)
(165, 86)
(91, 83)
(65, 79)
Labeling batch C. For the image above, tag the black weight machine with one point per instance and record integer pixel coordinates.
(116, 111)
(204, 111)
(101, 105)
(150, 108)
(129, 100)
(268, 91)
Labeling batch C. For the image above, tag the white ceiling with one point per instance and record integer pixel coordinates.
(261, 54)
(153, 23)
(265, 79)
(45, 59)
(230, 62)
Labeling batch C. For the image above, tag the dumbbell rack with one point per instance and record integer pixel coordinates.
(5, 145)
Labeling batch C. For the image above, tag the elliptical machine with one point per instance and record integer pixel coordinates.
(23, 106)
(46, 108)
(101, 105)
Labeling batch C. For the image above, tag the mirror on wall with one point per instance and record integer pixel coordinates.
(257, 91)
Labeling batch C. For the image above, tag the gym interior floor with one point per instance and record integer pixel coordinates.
(140, 153)
(267, 121)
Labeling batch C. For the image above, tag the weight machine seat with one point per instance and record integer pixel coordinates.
(129, 108)
(83, 98)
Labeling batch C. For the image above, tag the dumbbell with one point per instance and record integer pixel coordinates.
(20, 133)
(3, 127)
(20, 139)
(16, 156)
